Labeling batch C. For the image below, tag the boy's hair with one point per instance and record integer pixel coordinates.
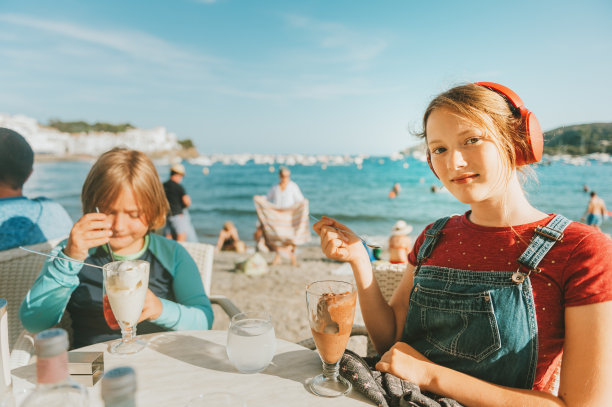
(486, 109)
(16, 159)
(117, 169)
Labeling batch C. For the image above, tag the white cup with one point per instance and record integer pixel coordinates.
(251, 343)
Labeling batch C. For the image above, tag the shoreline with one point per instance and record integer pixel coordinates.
(192, 154)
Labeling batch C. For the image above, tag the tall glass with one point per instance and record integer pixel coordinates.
(331, 309)
(125, 288)
(251, 342)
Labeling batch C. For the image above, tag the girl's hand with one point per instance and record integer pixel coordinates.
(92, 230)
(338, 242)
(152, 307)
(405, 362)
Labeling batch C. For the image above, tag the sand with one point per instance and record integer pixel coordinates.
(281, 291)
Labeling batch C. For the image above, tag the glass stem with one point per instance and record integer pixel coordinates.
(128, 334)
(331, 370)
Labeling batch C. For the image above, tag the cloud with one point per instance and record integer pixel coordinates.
(353, 47)
(102, 62)
(135, 44)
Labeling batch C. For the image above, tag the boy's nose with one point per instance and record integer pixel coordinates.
(118, 223)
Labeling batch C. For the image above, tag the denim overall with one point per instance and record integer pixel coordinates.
(478, 322)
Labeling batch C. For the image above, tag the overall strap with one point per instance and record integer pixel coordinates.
(543, 239)
(431, 238)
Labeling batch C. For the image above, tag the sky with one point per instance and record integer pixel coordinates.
(312, 77)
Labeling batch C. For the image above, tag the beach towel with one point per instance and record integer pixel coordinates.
(283, 226)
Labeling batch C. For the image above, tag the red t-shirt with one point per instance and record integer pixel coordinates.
(576, 271)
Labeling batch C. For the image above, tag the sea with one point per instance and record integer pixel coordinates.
(356, 195)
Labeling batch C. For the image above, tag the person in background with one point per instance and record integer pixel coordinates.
(285, 194)
(495, 301)
(595, 212)
(229, 239)
(24, 221)
(178, 223)
(395, 190)
(126, 188)
(400, 243)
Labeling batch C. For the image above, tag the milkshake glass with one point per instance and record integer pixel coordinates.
(125, 288)
(331, 309)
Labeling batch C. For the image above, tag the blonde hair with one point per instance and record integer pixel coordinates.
(488, 110)
(117, 169)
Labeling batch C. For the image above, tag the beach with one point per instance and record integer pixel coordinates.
(281, 291)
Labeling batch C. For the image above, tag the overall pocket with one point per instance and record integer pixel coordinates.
(460, 324)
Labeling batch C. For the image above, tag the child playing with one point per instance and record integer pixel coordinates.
(492, 300)
(124, 185)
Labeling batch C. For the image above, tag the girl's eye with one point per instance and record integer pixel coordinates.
(134, 215)
(472, 140)
(438, 150)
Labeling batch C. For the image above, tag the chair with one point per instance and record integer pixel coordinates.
(388, 277)
(19, 269)
(203, 254)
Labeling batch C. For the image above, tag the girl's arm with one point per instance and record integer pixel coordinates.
(383, 321)
(586, 372)
(45, 302)
(192, 309)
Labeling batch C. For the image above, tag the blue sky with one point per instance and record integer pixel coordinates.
(332, 76)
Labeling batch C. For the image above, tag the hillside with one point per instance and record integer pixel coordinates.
(579, 139)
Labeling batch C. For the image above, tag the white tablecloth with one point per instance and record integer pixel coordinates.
(178, 366)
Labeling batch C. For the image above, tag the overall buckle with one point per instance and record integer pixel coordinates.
(519, 276)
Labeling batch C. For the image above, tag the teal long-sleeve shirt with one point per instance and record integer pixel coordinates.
(63, 284)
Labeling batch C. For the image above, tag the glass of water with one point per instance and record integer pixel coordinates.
(251, 342)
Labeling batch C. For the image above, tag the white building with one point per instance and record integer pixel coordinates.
(45, 140)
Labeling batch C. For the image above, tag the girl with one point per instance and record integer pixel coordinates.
(491, 300)
(124, 185)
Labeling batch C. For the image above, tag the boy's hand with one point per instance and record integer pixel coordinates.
(152, 307)
(92, 230)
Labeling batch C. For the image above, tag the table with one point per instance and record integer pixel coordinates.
(178, 366)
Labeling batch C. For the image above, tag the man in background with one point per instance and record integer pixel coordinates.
(595, 211)
(24, 221)
(178, 223)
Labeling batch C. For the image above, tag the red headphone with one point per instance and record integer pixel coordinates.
(535, 139)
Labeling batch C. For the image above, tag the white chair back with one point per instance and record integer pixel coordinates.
(203, 254)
